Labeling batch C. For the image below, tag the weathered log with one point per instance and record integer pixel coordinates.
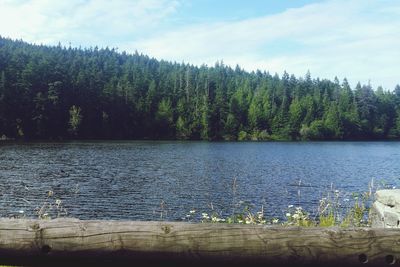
(111, 243)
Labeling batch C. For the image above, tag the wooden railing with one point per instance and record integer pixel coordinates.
(71, 242)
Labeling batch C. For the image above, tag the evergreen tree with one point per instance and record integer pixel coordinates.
(58, 93)
(75, 119)
(332, 123)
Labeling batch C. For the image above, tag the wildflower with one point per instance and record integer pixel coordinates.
(192, 211)
(205, 216)
(288, 214)
(275, 220)
(58, 202)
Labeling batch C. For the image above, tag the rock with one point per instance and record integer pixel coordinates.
(389, 197)
(376, 215)
(385, 212)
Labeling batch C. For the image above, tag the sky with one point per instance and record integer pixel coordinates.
(356, 39)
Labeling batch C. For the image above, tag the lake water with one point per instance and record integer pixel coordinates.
(165, 180)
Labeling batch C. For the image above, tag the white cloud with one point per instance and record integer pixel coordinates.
(356, 39)
(82, 22)
(352, 39)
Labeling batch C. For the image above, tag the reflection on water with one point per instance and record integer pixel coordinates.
(130, 180)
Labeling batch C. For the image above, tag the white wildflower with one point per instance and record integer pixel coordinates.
(215, 219)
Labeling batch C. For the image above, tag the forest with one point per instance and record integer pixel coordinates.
(61, 93)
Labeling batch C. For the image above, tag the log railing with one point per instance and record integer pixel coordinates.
(71, 242)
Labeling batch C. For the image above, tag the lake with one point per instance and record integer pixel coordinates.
(165, 180)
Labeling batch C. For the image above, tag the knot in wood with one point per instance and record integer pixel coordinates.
(82, 227)
(166, 229)
(35, 226)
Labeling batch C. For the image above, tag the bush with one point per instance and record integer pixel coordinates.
(316, 131)
(243, 136)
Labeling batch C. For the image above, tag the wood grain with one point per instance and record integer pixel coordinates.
(112, 243)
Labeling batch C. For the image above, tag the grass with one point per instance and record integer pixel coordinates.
(51, 207)
(356, 216)
(333, 210)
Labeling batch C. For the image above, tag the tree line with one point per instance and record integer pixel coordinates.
(56, 92)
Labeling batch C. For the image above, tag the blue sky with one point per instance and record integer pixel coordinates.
(199, 11)
(357, 39)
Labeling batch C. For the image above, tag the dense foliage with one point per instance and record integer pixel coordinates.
(58, 93)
